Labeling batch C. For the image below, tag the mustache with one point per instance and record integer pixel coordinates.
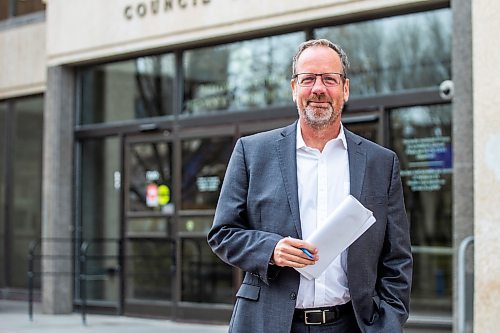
(319, 100)
(322, 98)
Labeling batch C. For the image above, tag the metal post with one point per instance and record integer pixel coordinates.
(461, 282)
(31, 257)
(83, 281)
(121, 276)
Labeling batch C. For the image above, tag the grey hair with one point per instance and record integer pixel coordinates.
(321, 42)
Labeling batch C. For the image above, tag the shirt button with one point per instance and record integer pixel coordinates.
(293, 296)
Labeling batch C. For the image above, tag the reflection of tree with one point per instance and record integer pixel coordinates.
(154, 81)
(203, 157)
(145, 157)
(396, 53)
(240, 75)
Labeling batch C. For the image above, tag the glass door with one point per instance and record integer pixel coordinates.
(149, 210)
(206, 284)
(422, 138)
(368, 124)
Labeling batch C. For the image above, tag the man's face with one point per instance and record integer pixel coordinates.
(319, 106)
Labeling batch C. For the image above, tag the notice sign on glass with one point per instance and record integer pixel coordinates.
(429, 160)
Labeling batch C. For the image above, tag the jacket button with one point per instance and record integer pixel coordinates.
(293, 296)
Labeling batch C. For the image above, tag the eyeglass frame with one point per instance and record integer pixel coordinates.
(342, 76)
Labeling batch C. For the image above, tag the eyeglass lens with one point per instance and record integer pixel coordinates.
(328, 79)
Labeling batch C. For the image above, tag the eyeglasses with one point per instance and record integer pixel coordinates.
(328, 79)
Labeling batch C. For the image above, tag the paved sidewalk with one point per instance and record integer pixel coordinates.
(14, 319)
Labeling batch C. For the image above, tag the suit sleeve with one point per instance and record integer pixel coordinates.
(233, 237)
(395, 265)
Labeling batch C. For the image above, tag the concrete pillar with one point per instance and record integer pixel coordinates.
(57, 205)
(486, 50)
(463, 164)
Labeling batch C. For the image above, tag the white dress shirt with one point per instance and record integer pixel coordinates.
(323, 182)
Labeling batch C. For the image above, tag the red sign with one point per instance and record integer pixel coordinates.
(152, 195)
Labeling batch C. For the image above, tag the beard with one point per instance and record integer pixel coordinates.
(320, 117)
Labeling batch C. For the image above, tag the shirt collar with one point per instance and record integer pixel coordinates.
(301, 143)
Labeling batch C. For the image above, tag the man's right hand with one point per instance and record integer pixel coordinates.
(288, 253)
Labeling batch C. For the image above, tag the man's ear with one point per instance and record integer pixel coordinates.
(346, 90)
(292, 84)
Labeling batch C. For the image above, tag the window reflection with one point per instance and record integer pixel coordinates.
(422, 137)
(29, 6)
(100, 214)
(204, 163)
(4, 9)
(148, 226)
(199, 225)
(150, 185)
(241, 75)
(205, 278)
(392, 54)
(21, 133)
(132, 89)
(150, 269)
(27, 184)
(100, 198)
(368, 130)
(20, 7)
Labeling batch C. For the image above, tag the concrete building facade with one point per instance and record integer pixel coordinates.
(141, 104)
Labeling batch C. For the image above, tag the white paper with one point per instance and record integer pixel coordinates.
(341, 228)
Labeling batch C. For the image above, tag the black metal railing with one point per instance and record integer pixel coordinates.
(81, 273)
(84, 276)
(34, 256)
(85, 254)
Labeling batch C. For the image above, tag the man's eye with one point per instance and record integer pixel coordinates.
(330, 79)
(307, 80)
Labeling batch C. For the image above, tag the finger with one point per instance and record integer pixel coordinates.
(290, 256)
(301, 244)
(309, 247)
(299, 248)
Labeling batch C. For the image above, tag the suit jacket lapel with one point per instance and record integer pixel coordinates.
(357, 167)
(357, 163)
(286, 147)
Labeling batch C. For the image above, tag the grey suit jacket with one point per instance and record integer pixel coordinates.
(259, 205)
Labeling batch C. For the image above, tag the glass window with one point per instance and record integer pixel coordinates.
(29, 6)
(150, 184)
(25, 222)
(100, 183)
(392, 54)
(204, 163)
(366, 129)
(132, 89)
(149, 226)
(422, 138)
(237, 76)
(4, 9)
(150, 269)
(3, 111)
(205, 278)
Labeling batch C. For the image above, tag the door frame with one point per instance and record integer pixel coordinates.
(160, 308)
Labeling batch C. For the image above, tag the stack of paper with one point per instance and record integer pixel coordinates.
(341, 228)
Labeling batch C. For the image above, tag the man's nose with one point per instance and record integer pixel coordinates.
(318, 86)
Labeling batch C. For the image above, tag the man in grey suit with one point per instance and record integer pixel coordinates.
(282, 184)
